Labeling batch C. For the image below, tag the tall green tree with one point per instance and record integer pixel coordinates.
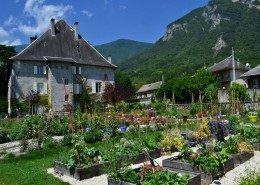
(5, 67)
(123, 86)
(187, 85)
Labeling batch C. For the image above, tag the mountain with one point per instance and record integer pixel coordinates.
(122, 49)
(119, 50)
(201, 38)
(19, 48)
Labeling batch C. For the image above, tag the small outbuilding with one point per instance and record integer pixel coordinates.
(146, 92)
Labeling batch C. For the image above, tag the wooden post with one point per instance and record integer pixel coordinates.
(173, 98)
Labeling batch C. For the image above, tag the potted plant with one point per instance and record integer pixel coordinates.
(252, 117)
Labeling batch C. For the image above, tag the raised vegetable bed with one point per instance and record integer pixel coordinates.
(241, 158)
(96, 170)
(195, 179)
(206, 178)
(78, 173)
(256, 146)
(156, 153)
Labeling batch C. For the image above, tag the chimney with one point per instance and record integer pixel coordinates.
(52, 27)
(33, 38)
(76, 30)
(109, 59)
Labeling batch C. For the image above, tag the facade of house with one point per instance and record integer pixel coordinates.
(146, 92)
(253, 78)
(55, 64)
(224, 71)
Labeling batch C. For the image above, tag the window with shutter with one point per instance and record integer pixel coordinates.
(66, 81)
(98, 87)
(79, 71)
(40, 88)
(66, 97)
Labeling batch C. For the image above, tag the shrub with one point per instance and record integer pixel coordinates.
(15, 131)
(172, 140)
(48, 142)
(93, 136)
(67, 140)
(202, 133)
(195, 108)
(4, 136)
(233, 123)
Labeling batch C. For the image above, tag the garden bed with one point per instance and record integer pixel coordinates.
(78, 173)
(142, 157)
(256, 146)
(206, 178)
(96, 170)
(241, 157)
(195, 179)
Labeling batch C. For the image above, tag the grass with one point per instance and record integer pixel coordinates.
(30, 168)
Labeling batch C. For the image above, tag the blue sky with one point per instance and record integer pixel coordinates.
(100, 21)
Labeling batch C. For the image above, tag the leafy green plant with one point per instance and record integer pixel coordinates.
(202, 132)
(93, 136)
(4, 136)
(195, 108)
(48, 142)
(172, 140)
(233, 123)
(209, 162)
(67, 140)
(81, 155)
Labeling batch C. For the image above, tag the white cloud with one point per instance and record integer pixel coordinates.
(41, 14)
(3, 33)
(11, 43)
(87, 13)
(123, 7)
(10, 21)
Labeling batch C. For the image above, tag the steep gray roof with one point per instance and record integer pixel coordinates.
(227, 64)
(253, 72)
(62, 47)
(150, 87)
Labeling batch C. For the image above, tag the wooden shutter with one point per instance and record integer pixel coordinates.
(35, 86)
(74, 70)
(78, 88)
(45, 88)
(35, 70)
(93, 87)
(44, 70)
(75, 88)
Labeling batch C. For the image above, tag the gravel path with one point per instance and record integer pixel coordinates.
(231, 178)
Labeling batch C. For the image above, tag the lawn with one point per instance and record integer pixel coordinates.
(30, 168)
